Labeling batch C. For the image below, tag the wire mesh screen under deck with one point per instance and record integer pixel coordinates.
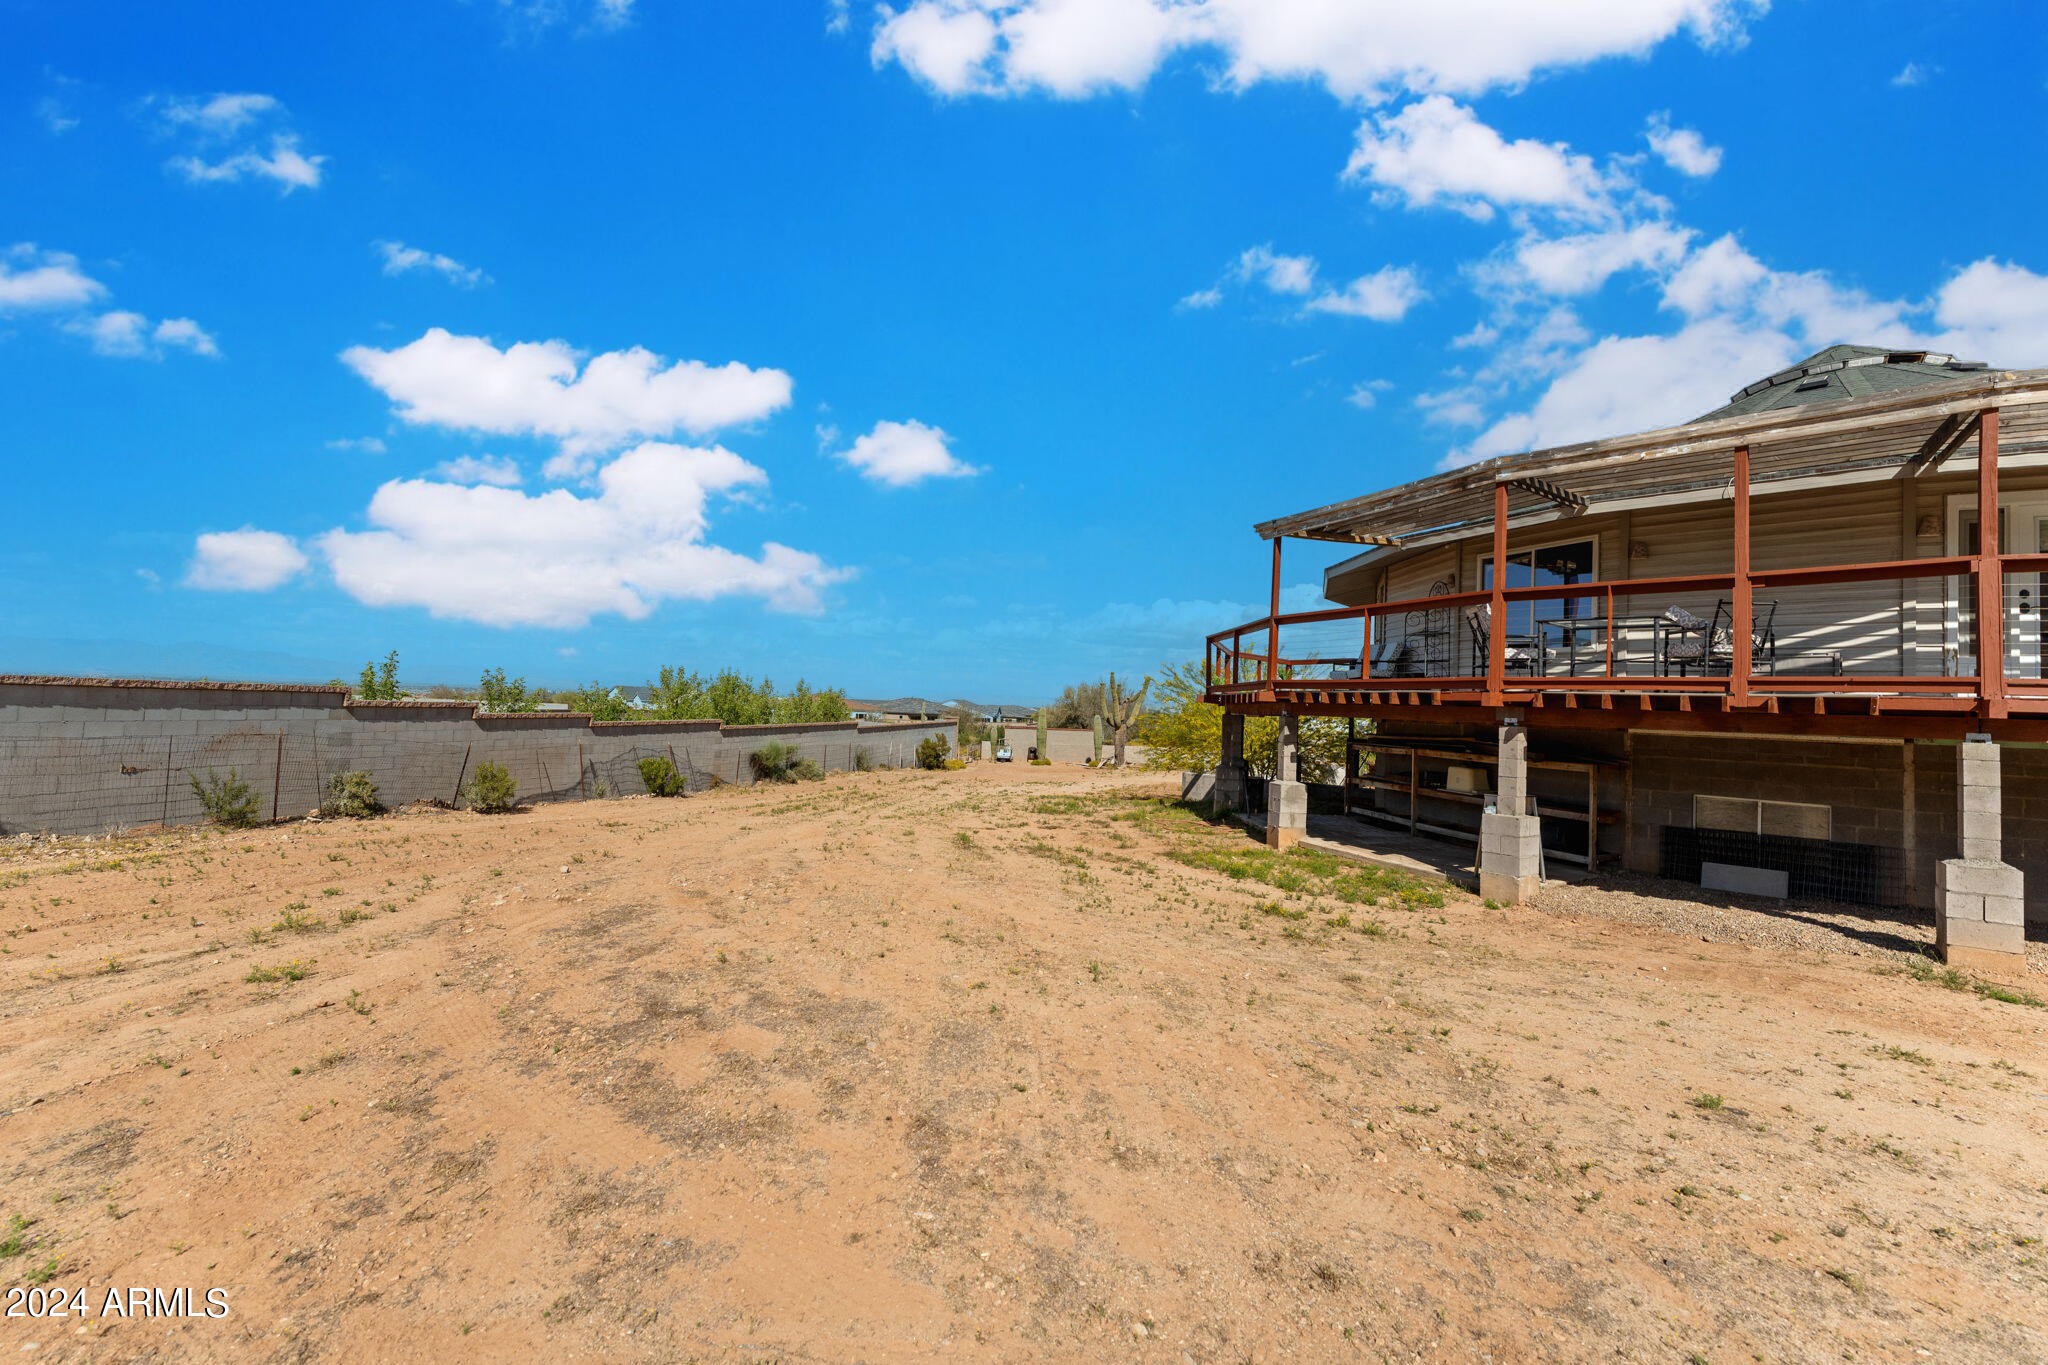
(1818, 869)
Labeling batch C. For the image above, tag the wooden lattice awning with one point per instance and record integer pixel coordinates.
(1895, 435)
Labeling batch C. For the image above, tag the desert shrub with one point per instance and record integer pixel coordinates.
(807, 770)
(491, 790)
(863, 761)
(931, 753)
(659, 773)
(228, 801)
(774, 762)
(351, 793)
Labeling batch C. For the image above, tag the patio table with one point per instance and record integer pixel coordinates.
(1571, 628)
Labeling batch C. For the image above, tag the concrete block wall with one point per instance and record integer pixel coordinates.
(81, 755)
(1862, 784)
(1070, 746)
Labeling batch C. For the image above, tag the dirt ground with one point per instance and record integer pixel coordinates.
(1004, 1064)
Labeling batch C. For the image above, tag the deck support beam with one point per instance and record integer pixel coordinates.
(1742, 626)
(1273, 626)
(1286, 796)
(1230, 772)
(1497, 634)
(1980, 909)
(1990, 573)
(1511, 839)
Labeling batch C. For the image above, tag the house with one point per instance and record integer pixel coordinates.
(996, 713)
(898, 709)
(1770, 650)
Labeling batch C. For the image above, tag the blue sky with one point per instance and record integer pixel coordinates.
(951, 347)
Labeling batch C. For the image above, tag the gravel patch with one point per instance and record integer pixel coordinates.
(1725, 917)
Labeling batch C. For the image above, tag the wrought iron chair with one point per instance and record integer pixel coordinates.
(1709, 646)
(1523, 653)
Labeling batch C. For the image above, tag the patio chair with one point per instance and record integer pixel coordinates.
(1709, 646)
(1523, 653)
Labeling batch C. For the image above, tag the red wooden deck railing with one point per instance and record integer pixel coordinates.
(1264, 672)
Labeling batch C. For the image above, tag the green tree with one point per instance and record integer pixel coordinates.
(739, 700)
(500, 695)
(1077, 706)
(597, 701)
(1185, 732)
(379, 682)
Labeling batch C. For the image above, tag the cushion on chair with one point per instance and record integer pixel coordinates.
(1683, 619)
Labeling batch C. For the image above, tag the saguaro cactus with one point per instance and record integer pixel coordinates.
(1041, 734)
(1097, 727)
(1120, 708)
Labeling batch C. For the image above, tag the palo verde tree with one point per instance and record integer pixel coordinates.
(1185, 733)
(1120, 708)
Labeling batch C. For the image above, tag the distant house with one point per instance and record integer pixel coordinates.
(900, 708)
(997, 713)
(639, 698)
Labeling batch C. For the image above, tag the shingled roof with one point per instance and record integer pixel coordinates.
(1842, 372)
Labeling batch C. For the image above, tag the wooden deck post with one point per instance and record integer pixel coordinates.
(1741, 609)
(1990, 576)
(1496, 638)
(1273, 627)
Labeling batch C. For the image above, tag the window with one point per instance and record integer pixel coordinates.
(1566, 564)
(1785, 819)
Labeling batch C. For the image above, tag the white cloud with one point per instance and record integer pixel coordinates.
(555, 559)
(247, 560)
(399, 258)
(900, 454)
(1682, 149)
(1722, 277)
(1386, 295)
(838, 16)
(1281, 274)
(1625, 384)
(1077, 47)
(31, 278)
(1580, 264)
(532, 17)
(1915, 73)
(1359, 49)
(1365, 395)
(131, 335)
(496, 470)
(945, 45)
(185, 334)
(367, 445)
(546, 389)
(1742, 320)
(56, 115)
(215, 124)
(221, 115)
(285, 163)
(1436, 151)
(1997, 312)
